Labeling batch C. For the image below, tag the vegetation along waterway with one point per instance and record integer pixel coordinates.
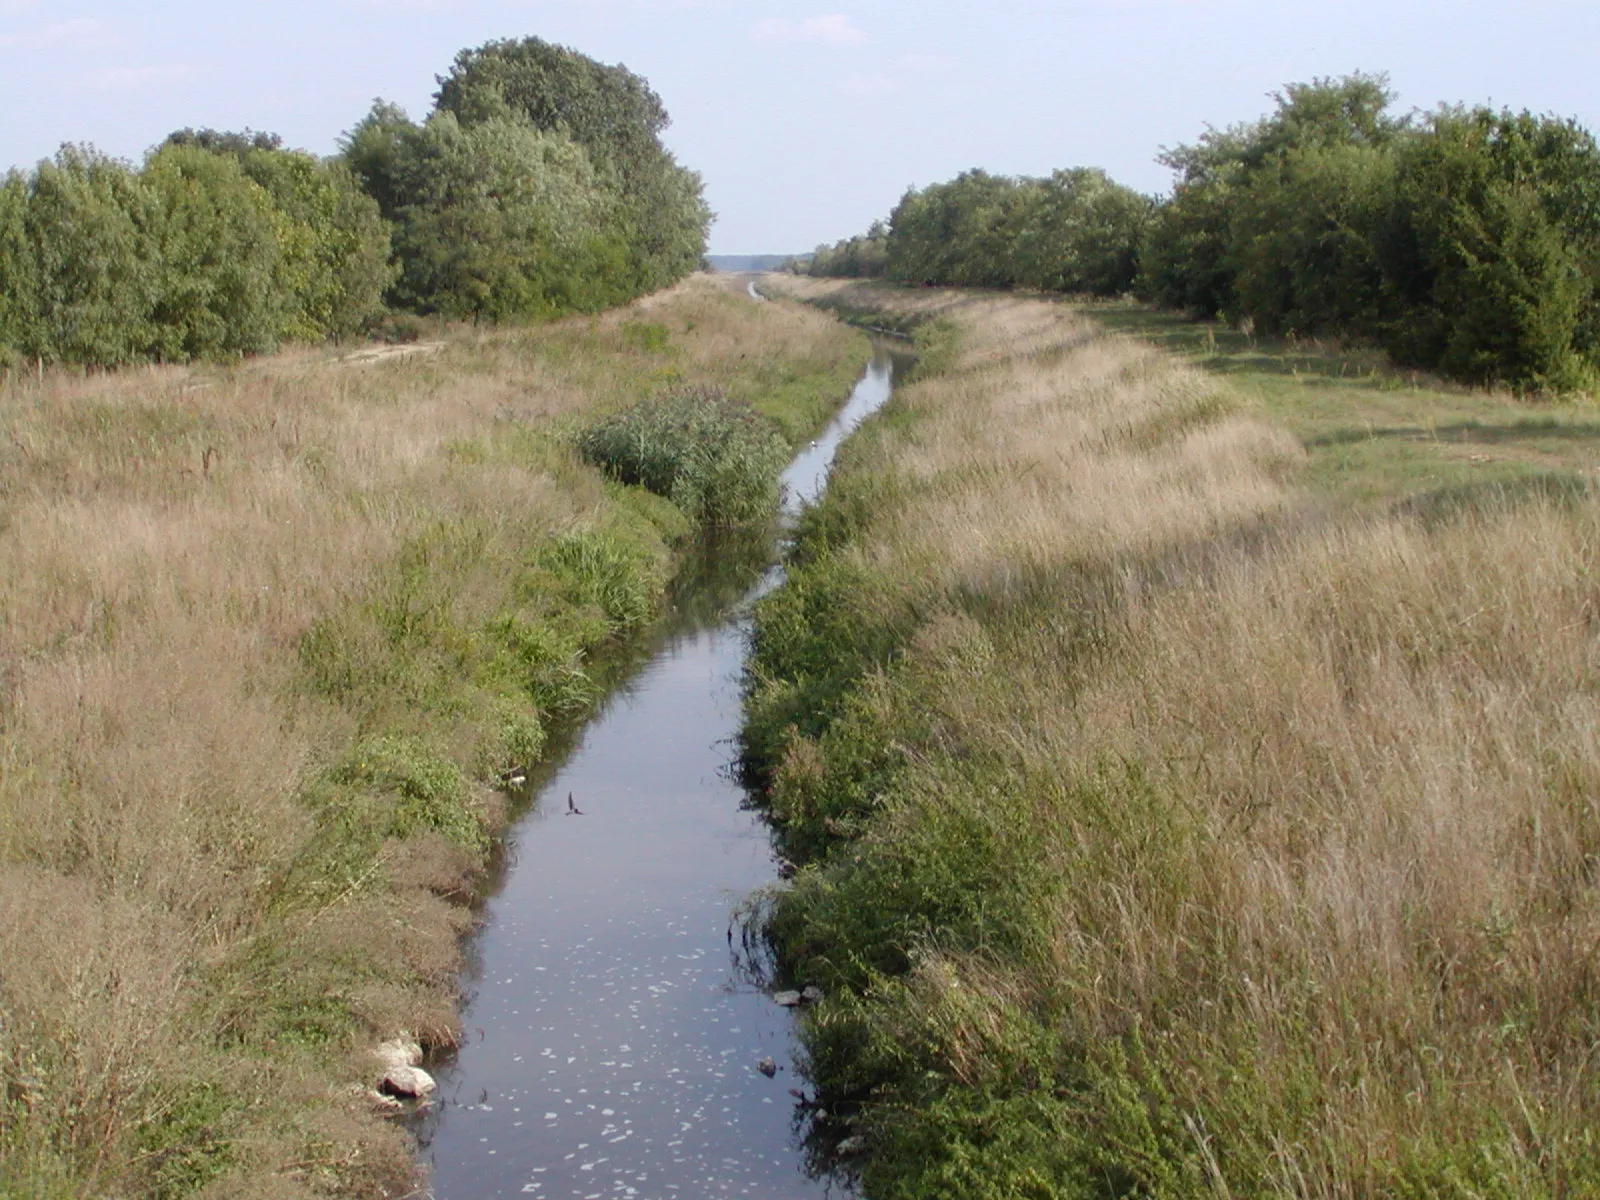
(616, 1033)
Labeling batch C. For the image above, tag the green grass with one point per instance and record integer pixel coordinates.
(713, 457)
(1376, 434)
(1064, 849)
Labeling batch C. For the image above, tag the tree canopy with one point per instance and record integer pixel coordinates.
(537, 186)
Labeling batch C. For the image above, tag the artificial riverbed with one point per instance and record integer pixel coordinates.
(614, 1028)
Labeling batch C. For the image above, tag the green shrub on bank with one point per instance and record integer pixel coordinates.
(201, 253)
(1466, 240)
(713, 457)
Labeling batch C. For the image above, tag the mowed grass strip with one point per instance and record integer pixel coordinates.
(269, 636)
(1180, 811)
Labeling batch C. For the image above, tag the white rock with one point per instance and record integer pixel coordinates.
(399, 1052)
(852, 1145)
(811, 994)
(411, 1083)
(787, 999)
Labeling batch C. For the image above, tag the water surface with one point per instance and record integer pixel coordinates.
(614, 1030)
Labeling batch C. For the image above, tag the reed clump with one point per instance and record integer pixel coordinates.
(1167, 832)
(713, 457)
(270, 634)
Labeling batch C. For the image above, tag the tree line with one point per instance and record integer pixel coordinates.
(538, 185)
(1464, 240)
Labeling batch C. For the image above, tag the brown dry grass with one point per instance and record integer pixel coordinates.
(169, 537)
(1301, 809)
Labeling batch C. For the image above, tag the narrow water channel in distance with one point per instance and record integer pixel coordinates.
(613, 1034)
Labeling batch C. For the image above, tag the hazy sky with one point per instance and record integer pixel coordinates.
(806, 119)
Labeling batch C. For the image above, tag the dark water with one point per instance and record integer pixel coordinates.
(614, 1029)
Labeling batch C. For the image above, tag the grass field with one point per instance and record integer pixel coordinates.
(1190, 747)
(1374, 432)
(269, 636)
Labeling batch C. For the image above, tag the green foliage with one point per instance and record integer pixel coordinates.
(429, 791)
(711, 456)
(187, 1146)
(1076, 231)
(617, 119)
(865, 256)
(1250, 195)
(501, 221)
(1468, 242)
(216, 241)
(334, 244)
(957, 233)
(538, 186)
(87, 272)
(221, 245)
(1492, 251)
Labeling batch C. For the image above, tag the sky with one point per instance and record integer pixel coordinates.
(807, 118)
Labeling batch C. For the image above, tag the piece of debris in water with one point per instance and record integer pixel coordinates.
(768, 1067)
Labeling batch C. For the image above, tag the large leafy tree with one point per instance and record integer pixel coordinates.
(617, 119)
(1079, 232)
(1192, 256)
(219, 255)
(90, 261)
(1492, 251)
(333, 241)
(500, 220)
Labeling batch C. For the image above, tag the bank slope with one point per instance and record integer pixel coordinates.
(1166, 827)
(270, 638)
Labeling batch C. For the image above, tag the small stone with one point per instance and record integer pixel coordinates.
(767, 1067)
(852, 1145)
(811, 994)
(409, 1083)
(398, 1052)
(787, 999)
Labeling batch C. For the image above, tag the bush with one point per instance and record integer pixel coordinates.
(711, 456)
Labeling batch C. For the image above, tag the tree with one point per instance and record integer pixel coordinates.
(1192, 253)
(617, 119)
(333, 241)
(90, 227)
(217, 233)
(19, 283)
(1079, 232)
(1492, 249)
(500, 220)
(334, 244)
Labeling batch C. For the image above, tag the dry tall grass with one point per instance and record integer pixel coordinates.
(1297, 817)
(169, 537)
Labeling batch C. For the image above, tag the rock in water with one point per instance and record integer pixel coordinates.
(767, 1067)
(410, 1083)
(787, 999)
(811, 994)
(852, 1145)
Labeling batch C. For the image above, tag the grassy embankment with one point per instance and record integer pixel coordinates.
(1195, 767)
(270, 635)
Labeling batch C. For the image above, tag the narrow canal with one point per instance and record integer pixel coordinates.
(615, 1036)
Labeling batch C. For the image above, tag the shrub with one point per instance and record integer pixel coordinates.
(711, 456)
